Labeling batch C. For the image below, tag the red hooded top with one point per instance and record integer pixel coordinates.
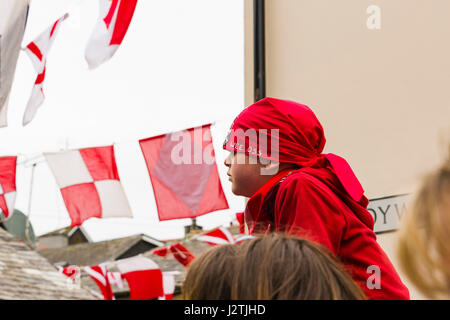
(322, 200)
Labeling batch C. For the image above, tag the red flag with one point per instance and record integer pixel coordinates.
(99, 275)
(7, 186)
(184, 174)
(217, 236)
(162, 252)
(143, 276)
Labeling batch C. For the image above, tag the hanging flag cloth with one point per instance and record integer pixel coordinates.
(113, 22)
(183, 173)
(38, 51)
(13, 18)
(89, 183)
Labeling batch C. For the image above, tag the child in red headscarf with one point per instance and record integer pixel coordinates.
(276, 160)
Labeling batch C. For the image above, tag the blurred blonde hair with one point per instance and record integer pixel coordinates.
(424, 239)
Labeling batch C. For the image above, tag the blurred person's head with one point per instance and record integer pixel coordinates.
(273, 267)
(424, 240)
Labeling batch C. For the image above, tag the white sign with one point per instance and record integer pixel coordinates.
(388, 211)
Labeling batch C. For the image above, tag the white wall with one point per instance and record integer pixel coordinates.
(382, 95)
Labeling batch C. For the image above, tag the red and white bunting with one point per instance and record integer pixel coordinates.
(70, 272)
(7, 186)
(38, 50)
(183, 255)
(217, 236)
(179, 252)
(240, 219)
(99, 275)
(89, 183)
(115, 278)
(114, 19)
(162, 252)
(143, 276)
(168, 284)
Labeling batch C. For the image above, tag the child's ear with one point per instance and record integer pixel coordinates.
(269, 169)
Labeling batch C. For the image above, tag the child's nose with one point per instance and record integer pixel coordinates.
(227, 161)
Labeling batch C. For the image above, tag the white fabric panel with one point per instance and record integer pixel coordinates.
(95, 274)
(227, 234)
(68, 168)
(36, 100)
(168, 283)
(113, 200)
(3, 106)
(10, 199)
(1, 189)
(136, 263)
(13, 14)
(98, 49)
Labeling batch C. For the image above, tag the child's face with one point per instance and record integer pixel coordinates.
(245, 174)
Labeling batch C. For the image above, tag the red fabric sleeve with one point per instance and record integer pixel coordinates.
(305, 207)
(302, 208)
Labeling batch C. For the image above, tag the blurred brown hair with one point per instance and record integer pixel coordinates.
(424, 239)
(273, 267)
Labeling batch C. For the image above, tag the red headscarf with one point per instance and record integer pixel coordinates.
(299, 135)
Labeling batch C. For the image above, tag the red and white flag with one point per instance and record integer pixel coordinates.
(7, 186)
(38, 50)
(69, 271)
(183, 255)
(114, 19)
(241, 221)
(169, 285)
(143, 276)
(99, 275)
(179, 252)
(72, 272)
(89, 183)
(184, 174)
(217, 236)
(115, 278)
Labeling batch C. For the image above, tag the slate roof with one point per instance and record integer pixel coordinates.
(88, 254)
(109, 251)
(169, 263)
(25, 275)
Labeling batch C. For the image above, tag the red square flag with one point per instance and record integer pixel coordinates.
(183, 173)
